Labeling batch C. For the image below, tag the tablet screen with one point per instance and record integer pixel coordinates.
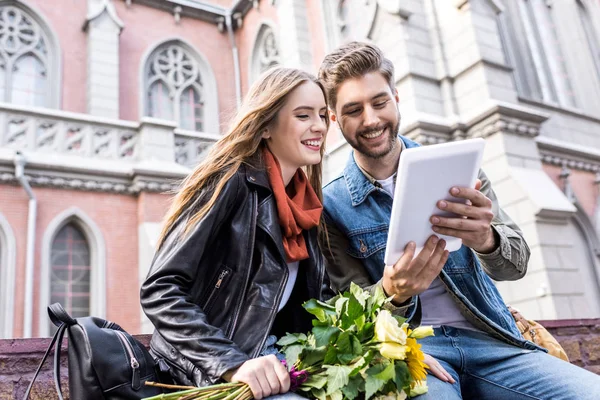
(425, 176)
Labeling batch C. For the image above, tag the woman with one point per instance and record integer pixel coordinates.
(238, 252)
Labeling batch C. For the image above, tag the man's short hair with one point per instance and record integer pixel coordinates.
(353, 60)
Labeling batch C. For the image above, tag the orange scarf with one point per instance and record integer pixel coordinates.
(298, 206)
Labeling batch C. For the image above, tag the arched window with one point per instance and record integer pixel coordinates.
(73, 268)
(7, 278)
(266, 51)
(180, 87)
(70, 267)
(28, 65)
(535, 51)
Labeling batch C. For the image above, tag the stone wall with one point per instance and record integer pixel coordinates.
(19, 357)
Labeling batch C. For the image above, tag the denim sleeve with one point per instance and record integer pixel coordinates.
(508, 262)
(344, 269)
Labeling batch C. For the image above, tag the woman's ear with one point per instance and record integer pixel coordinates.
(265, 134)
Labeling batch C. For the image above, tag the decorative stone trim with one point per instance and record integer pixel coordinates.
(198, 10)
(94, 185)
(506, 118)
(564, 161)
(556, 152)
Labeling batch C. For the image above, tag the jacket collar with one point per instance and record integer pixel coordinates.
(359, 186)
(258, 177)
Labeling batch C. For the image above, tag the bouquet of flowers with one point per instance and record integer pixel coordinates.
(356, 350)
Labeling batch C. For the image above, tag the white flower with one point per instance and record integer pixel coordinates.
(387, 329)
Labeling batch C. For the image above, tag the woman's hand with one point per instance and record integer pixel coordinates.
(266, 376)
(436, 369)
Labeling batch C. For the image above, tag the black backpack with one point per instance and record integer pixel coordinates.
(105, 362)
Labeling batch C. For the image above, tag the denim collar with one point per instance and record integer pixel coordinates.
(359, 185)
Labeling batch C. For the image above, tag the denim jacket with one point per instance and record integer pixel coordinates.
(357, 213)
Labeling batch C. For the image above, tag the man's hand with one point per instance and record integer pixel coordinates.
(412, 275)
(266, 376)
(474, 222)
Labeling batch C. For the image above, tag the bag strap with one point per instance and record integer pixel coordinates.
(61, 318)
(58, 315)
(59, 333)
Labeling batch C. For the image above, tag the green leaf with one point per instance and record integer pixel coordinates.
(331, 355)
(367, 332)
(340, 305)
(353, 388)
(353, 311)
(402, 376)
(292, 353)
(377, 299)
(337, 395)
(325, 334)
(372, 386)
(319, 394)
(319, 309)
(337, 377)
(348, 347)
(311, 356)
(357, 365)
(360, 322)
(388, 373)
(361, 295)
(291, 338)
(316, 381)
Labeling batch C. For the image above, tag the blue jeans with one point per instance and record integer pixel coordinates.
(486, 368)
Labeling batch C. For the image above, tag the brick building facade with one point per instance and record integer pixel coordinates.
(105, 104)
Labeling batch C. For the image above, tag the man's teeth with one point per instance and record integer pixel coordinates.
(315, 143)
(373, 135)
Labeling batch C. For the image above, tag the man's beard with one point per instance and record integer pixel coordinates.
(365, 150)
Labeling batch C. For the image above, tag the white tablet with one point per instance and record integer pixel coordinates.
(425, 175)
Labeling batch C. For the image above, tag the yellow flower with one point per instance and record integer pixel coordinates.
(394, 351)
(419, 388)
(414, 360)
(387, 329)
(421, 332)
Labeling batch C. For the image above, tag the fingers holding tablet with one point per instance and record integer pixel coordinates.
(473, 220)
(412, 275)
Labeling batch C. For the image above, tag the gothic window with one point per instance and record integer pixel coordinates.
(591, 34)
(175, 87)
(70, 271)
(7, 278)
(24, 59)
(266, 51)
(540, 69)
(355, 18)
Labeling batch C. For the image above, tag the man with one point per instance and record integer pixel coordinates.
(479, 350)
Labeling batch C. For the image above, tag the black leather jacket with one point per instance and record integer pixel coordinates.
(213, 295)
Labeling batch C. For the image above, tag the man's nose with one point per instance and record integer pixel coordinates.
(370, 117)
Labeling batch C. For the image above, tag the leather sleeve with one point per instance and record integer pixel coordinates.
(166, 294)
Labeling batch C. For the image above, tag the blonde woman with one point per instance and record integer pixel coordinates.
(238, 252)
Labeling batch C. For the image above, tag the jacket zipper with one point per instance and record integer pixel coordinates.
(249, 268)
(133, 362)
(216, 287)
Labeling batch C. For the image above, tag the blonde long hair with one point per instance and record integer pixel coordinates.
(240, 145)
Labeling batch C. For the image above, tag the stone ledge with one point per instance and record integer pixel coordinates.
(19, 357)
